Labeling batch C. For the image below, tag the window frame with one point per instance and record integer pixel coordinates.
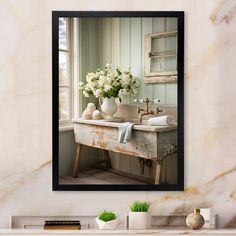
(73, 71)
(158, 77)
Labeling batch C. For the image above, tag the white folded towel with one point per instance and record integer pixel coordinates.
(125, 132)
(162, 120)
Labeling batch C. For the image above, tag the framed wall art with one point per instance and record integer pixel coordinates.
(118, 100)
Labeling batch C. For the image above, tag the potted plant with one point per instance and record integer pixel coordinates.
(107, 220)
(139, 217)
(107, 85)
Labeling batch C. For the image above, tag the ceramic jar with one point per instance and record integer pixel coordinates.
(195, 220)
(112, 224)
(96, 115)
(139, 220)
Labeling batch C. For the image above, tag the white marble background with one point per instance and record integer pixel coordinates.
(25, 117)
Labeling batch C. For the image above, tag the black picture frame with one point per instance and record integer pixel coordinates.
(55, 101)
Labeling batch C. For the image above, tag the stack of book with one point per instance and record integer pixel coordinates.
(59, 224)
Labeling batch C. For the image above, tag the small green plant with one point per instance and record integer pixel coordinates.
(138, 206)
(107, 216)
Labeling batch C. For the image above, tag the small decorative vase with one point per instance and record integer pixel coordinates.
(195, 220)
(108, 106)
(139, 220)
(112, 224)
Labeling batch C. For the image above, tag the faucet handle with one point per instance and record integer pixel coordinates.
(138, 109)
(158, 110)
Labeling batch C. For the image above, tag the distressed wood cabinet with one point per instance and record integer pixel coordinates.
(153, 143)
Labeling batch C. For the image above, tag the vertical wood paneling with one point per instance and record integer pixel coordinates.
(89, 57)
(106, 41)
(171, 89)
(100, 43)
(159, 89)
(136, 49)
(67, 150)
(115, 42)
(125, 48)
(62, 154)
(146, 90)
(171, 94)
(171, 24)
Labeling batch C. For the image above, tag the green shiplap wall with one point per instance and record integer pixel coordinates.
(67, 153)
(89, 51)
(120, 41)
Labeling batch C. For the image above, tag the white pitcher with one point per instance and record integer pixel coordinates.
(108, 106)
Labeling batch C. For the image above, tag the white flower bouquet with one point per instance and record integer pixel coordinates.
(107, 84)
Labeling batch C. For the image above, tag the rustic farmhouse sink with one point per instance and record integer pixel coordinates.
(148, 142)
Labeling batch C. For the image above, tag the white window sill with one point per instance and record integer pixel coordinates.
(66, 127)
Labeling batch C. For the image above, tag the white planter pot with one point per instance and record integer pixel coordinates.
(139, 220)
(108, 106)
(107, 225)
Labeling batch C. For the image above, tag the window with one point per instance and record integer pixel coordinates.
(65, 71)
(161, 57)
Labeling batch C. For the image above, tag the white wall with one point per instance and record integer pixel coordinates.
(26, 107)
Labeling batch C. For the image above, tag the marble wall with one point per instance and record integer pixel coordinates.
(26, 107)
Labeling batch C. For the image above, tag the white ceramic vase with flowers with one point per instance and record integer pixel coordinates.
(107, 85)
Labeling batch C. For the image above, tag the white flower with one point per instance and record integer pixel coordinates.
(98, 93)
(134, 91)
(101, 81)
(123, 92)
(107, 87)
(92, 84)
(81, 83)
(90, 77)
(110, 78)
(85, 93)
(125, 81)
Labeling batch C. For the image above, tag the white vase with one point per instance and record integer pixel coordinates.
(139, 220)
(112, 224)
(108, 106)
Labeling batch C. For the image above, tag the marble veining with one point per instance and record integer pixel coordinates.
(25, 120)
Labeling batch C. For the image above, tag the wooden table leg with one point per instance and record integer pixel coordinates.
(157, 172)
(77, 160)
(108, 159)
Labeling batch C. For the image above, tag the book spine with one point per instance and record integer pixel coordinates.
(64, 227)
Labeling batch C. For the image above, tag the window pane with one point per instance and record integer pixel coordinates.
(162, 64)
(63, 33)
(64, 104)
(63, 68)
(164, 54)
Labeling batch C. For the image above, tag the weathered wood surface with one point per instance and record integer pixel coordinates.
(155, 146)
(118, 120)
(143, 143)
(77, 160)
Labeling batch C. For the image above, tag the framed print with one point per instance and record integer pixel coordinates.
(118, 100)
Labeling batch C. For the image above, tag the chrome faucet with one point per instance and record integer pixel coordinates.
(146, 111)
